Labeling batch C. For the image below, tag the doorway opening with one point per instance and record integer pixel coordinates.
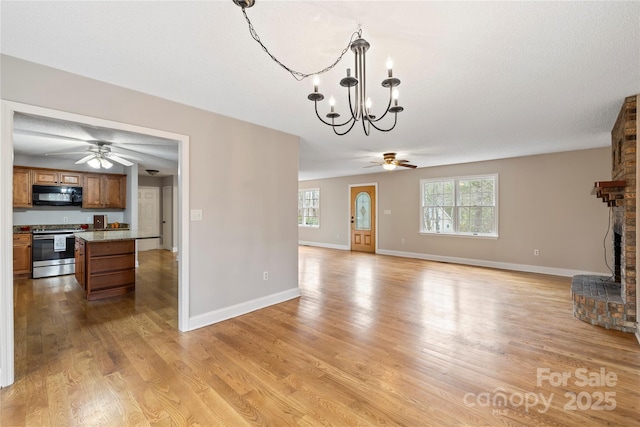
(9, 109)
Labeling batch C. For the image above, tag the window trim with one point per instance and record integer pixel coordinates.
(318, 208)
(456, 180)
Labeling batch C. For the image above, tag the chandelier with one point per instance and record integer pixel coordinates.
(359, 102)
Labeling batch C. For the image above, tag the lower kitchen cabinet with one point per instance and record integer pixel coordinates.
(22, 255)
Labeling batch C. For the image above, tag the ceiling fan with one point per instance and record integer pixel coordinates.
(100, 156)
(390, 162)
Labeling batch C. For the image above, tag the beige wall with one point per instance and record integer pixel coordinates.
(248, 199)
(544, 203)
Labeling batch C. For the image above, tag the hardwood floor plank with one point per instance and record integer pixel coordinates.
(373, 340)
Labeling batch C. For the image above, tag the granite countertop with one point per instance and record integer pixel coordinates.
(113, 235)
(28, 229)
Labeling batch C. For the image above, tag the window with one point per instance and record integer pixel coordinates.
(309, 207)
(463, 205)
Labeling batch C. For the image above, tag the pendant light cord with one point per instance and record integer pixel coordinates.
(297, 74)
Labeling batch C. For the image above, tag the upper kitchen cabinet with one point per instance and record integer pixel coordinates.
(22, 188)
(49, 177)
(104, 191)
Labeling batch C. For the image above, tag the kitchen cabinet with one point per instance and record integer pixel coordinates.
(104, 191)
(22, 188)
(80, 262)
(21, 255)
(52, 177)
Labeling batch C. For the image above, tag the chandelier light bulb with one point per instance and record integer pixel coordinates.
(368, 103)
(332, 104)
(316, 83)
(395, 94)
(390, 67)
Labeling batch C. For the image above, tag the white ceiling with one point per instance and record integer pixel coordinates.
(480, 80)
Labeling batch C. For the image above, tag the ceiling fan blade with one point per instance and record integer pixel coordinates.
(405, 165)
(126, 156)
(85, 159)
(373, 166)
(119, 160)
(65, 153)
(402, 161)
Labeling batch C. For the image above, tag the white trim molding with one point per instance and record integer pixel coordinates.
(226, 313)
(324, 245)
(491, 264)
(6, 248)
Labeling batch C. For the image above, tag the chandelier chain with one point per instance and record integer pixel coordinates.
(297, 74)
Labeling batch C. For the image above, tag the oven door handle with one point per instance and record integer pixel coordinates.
(50, 237)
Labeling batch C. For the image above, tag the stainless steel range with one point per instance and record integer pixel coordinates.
(53, 252)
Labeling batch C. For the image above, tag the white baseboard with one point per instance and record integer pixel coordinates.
(216, 316)
(492, 264)
(174, 249)
(325, 245)
(638, 332)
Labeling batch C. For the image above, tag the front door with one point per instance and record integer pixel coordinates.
(363, 218)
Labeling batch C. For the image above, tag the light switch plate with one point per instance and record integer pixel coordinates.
(196, 214)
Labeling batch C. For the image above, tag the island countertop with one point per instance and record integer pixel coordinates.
(114, 235)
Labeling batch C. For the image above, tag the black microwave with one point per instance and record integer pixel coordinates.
(52, 195)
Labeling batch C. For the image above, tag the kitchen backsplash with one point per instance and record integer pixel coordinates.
(49, 216)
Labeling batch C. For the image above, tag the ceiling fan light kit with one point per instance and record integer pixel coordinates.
(360, 103)
(390, 162)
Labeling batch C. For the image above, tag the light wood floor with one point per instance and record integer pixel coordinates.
(374, 340)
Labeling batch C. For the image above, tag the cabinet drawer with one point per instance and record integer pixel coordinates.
(112, 248)
(111, 263)
(110, 280)
(22, 239)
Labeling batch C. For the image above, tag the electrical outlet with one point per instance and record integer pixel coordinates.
(402, 241)
(65, 219)
(536, 252)
(265, 275)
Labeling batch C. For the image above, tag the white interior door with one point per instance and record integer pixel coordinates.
(149, 216)
(167, 218)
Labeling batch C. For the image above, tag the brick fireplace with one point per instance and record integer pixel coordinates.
(610, 302)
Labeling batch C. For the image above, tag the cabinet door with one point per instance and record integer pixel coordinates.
(70, 178)
(80, 262)
(21, 254)
(115, 191)
(45, 177)
(91, 192)
(22, 188)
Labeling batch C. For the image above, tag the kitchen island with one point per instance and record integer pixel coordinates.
(106, 261)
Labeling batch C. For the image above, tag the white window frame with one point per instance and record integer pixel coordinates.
(305, 217)
(456, 206)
